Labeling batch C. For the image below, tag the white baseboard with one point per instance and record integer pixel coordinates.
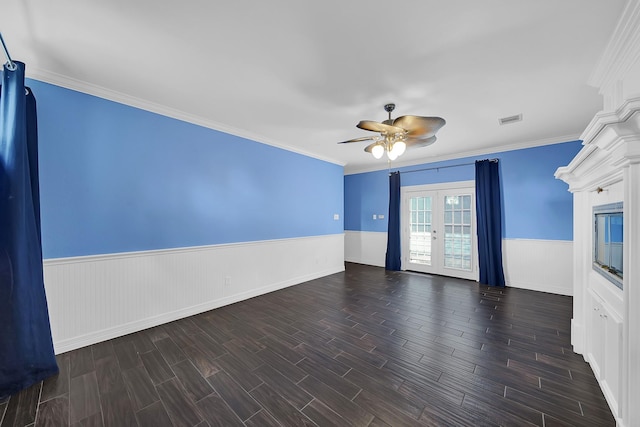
(577, 338)
(96, 298)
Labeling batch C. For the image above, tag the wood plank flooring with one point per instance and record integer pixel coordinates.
(365, 347)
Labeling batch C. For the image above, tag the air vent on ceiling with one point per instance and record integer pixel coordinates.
(510, 119)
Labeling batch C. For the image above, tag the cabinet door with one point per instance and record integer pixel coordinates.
(613, 359)
(597, 338)
(605, 351)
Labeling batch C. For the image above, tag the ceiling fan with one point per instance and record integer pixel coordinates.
(396, 135)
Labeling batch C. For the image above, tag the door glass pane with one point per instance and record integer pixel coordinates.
(466, 202)
(457, 235)
(420, 234)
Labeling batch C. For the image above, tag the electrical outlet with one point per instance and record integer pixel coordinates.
(380, 216)
(375, 216)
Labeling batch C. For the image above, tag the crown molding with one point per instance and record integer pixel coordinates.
(622, 51)
(131, 101)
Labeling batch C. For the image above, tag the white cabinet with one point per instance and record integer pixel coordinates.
(613, 360)
(605, 349)
(596, 352)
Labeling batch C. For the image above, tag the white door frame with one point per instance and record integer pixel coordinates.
(405, 194)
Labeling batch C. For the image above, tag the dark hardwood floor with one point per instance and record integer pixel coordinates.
(360, 348)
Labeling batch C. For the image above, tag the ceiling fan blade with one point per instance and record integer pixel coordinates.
(380, 127)
(364, 138)
(419, 126)
(420, 142)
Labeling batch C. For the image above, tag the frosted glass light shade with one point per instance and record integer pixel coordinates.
(377, 151)
(399, 148)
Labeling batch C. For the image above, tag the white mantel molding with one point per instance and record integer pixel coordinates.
(611, 141)
(607, 170)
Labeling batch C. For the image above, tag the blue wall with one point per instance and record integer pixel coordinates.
(536, 205)
(117, 179)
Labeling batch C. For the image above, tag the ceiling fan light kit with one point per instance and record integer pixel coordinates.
(399, 134)
(393, 145)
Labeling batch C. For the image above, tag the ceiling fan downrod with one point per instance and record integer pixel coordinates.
(389, 108)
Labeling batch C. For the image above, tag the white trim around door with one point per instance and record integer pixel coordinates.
(438, 229)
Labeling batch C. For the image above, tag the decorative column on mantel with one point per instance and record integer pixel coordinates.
(631, 332)
(610, 158)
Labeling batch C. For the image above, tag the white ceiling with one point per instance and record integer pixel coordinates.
(301, 74)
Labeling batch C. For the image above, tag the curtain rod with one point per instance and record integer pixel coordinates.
(445, 167)
(10, 64)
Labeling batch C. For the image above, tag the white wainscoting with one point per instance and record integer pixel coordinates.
(538, 265)
(365, 247)
(96, 298)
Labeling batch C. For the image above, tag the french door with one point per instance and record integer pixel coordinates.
(438, 229)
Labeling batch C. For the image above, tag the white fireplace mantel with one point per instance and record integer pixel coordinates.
(606, 320)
